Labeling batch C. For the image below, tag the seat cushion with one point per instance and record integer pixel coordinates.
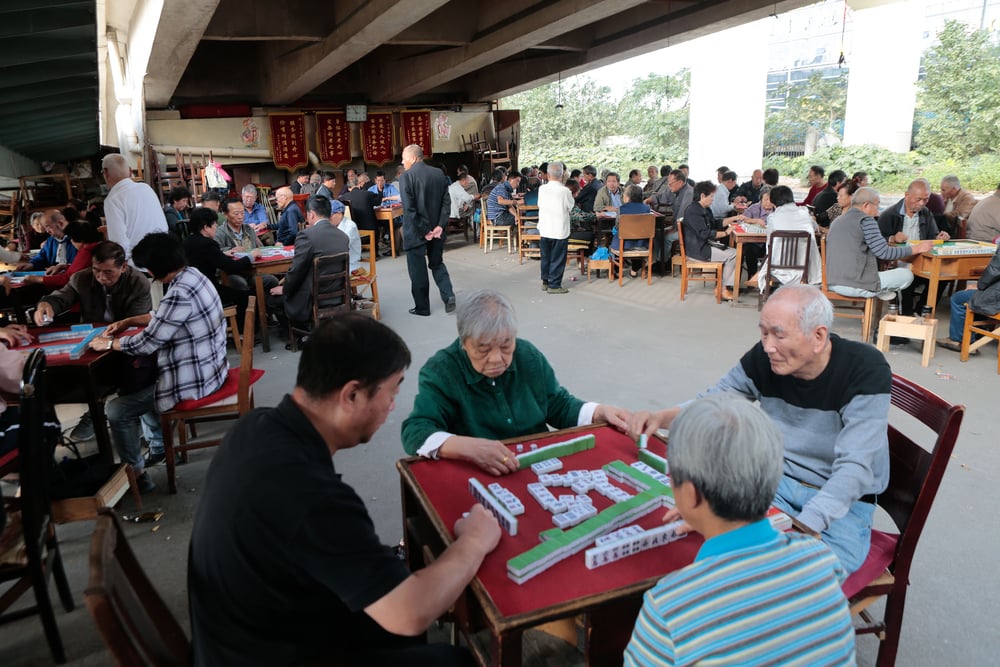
(229, 389)
(880, 555)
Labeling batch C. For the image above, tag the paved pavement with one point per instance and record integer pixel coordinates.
(637, 346)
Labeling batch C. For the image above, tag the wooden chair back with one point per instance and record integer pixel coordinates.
(364, 289)
(635, 227)
(133, 620)
(488, 232)
(331, 285)
(704, 269)
(786, 250)
(527, 220)
(986, 326)
(915, 474)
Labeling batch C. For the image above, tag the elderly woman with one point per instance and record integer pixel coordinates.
(489, 385)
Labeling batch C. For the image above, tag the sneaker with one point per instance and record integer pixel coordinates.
(557, 290)
(449, 307)
(84, 429)
(545, 287)
(155, 459)
(145, 482)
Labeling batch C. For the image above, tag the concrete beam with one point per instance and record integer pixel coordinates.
(288, 77)
(434, 69)
(267, 20)
(178, 32)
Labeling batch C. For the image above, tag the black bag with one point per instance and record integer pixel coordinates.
(79, 476)
(136, 373)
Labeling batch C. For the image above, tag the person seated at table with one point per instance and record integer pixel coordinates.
(828, 197)
(489, 385)
(188, 335)
(328, 183)
(590, 185)
(57, 251)
(725, 192)
(212, 200)
(35, 233)
(817, 183)
(301, 180)
(911, 219)
(787, 217)
(254, 214)
(399, 172)
(363, 203)
(612, 195)
(703, 235)
(751, 190)
(633, 205)
(290, 216)
(204, 254)
(500, 203)
(984, 299)
(462, 203)
(363, 181)
(581, 224)
(757, 214)
(349, 227)
(84, 238)
(984, 221)
(845, 191)
(752, 591)
(387, 193)
(11, 368)
(176, 211)
(285, 566)
(236, 236)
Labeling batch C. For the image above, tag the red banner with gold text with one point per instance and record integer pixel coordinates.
(288, 140)
(333, 136)
(416, 129)
(376, 138)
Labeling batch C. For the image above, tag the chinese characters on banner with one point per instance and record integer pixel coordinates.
(416, 126)
(288, 140)
(334, 138)
(376, 138)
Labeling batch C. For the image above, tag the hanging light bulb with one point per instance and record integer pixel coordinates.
(559, 104)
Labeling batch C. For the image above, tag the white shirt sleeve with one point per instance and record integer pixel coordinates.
(433, 443)
(586, 414)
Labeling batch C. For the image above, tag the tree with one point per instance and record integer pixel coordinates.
(958, 100)
(819, 103)
(655, 111)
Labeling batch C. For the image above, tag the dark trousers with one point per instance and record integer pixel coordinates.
(235, 297)
(428, 256)
(553, 261)
(912, 300)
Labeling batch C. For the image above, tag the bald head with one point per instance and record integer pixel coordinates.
(115, 168)
(916, 196)
(411, 155)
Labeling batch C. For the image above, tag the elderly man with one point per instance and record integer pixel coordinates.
(750, 190)
(489, 385)
(751, 591)
(254, 215)
(589, 187)
(131, 209)
(387, 193)
(853, 246)
(301, 180)
(676, 197)
(501, 198)
(555, 202)
(958, 203)
(57, 252)
(462, 202)
(722, 202)
(426, 205)
(611, 196)
(285, 566)
(321, 237)
(911, 220)
(188, 335)
(290, 216)
(817, 183)
(984, 220)
(830, 399)
(237, 237)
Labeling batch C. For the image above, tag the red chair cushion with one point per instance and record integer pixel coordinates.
(229, 388)
(880, 556)
(9, 459)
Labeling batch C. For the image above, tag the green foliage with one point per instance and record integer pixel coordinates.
(892, 172)
(650, 123)
(818, 102)
(958, 100)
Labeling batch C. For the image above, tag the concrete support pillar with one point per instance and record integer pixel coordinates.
(728, 91)
(884, 62)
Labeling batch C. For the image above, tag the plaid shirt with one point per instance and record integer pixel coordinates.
(189, 338)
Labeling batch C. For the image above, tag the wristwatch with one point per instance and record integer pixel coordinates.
(111, 343)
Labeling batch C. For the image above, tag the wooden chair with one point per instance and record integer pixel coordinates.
(41, 548)
(364, 289)
(859, 307)
(987, 326)
(229, 314)
(704, 271)
(488, 232)
(792, 255)
(133, 620)
(527, 220)
(914, 477)
(331, 293)
(635, 227)
(231, 401)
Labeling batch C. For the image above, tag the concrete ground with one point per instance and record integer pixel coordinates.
(637, 346)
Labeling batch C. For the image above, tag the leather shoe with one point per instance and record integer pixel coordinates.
(449, 307)
(414, 311)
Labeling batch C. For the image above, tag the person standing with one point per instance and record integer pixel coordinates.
(131, 209)
(555, 201)
(426, 205)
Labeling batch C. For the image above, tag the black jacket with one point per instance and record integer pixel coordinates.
(426, 203)
(205, 255)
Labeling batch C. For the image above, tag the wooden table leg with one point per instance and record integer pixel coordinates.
(392, 234)
(265, 339)
(932, 287)
(738, 269)
(505, 650)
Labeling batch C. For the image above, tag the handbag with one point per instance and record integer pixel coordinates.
(78, 476)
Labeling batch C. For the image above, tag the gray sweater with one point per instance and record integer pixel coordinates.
(852, 246)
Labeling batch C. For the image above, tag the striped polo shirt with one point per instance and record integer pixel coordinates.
(753, 596)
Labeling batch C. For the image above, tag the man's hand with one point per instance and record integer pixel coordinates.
(278, 291)
(101, 343)
(24, 266)
(490, 455)
(44, 314)
(118, 327)
(434, 233)
(673, 514)
(922, 247)
(5, 283)
(617, 417)
(14, 335)
(943, 235)
(55, 268)
(647, 423)
(480, 527)
(899, 237)
(256, 252)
